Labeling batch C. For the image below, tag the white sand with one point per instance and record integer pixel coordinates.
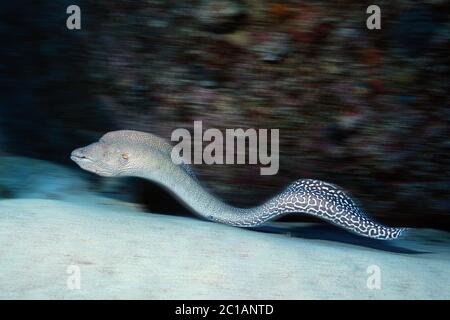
(123, 253)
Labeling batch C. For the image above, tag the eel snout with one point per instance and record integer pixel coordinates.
(78, 155)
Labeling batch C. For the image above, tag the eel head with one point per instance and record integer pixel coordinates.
(104, 159)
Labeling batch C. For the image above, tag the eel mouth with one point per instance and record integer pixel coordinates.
(78, 157)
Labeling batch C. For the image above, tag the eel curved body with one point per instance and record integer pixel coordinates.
(140, 154)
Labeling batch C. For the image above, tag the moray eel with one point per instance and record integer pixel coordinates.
(140, 154)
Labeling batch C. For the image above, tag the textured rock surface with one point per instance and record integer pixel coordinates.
(28, 178)
(32, 178)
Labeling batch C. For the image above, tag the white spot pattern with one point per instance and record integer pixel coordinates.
(323, 200)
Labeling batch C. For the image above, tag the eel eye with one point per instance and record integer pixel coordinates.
(125, 156)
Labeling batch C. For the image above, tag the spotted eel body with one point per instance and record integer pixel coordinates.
(328, 202)
(148, 157)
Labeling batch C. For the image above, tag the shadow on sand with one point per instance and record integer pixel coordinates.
(332, 233)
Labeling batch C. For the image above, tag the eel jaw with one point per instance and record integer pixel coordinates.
(78, 157)
(90, 164)
(79, 160)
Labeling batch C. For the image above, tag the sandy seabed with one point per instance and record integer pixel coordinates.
(122, 252)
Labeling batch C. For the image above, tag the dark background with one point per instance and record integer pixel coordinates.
(365, 109)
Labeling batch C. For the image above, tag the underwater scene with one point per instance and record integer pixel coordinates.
(224, 150)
